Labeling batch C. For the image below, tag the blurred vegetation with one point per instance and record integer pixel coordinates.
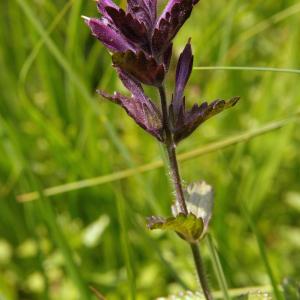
(54, 130)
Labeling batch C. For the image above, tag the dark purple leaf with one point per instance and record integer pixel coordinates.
(173, 17)
(188, 121)
(131, 84)
(131, 28)
(167, 57)
(103, 5)
(108, 35)
(144, 11)
(142, 110)
(145, 69)
(183, 72)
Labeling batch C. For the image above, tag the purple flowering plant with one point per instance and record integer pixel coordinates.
(140, 42)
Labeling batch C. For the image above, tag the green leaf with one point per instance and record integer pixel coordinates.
(192, 227)
(188, 227)
(199, 199)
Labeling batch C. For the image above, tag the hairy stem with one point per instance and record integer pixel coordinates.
(175, 175)
(170, 145)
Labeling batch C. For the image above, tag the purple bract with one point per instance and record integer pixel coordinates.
(183, 122)
(138, 37)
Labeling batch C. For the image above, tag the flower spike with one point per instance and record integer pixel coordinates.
(141, 46)
(140, 35)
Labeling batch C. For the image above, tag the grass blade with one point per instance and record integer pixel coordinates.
(54, 50)
(241, 68)
(265, 24)
(217, 267)
(35, 51)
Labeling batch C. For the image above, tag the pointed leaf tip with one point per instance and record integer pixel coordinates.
(183, 73)
(141, 109)
(85, 18)
(191, 119)
(174, 15)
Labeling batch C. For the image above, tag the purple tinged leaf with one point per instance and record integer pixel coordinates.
(137, 91)
(109, 36)
(152, 8)
(131, 28)
(140, 66)
(133, 86)
(142, 110)
(167, 57)
(173, 17)
(168, 9)
(103, 5)
(138, 29)
(183, 72)
(188, 121)
(144, 11)
(171, 3)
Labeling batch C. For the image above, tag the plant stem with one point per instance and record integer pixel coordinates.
(175, 175)
(176, 178)
(170, 145)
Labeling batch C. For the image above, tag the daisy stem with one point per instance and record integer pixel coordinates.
(175, 176)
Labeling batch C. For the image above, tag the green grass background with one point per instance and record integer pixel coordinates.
(54, 129)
